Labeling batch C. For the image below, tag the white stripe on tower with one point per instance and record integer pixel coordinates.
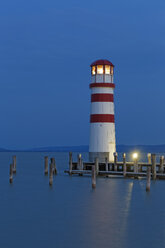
(97, 90)
(102, 108)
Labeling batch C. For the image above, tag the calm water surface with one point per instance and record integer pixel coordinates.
(119, 213)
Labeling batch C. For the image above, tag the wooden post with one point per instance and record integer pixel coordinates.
(11, 173)
(153, 160)
(14, 164)
(54, 165)
(81, 166)
(94, 176)
(55, 168)
(148, 178)
(79, 162)
(135, 165)
(97, 165)
(115, 161)
(106, 164)
(70, 163)
(140, 168)
(52, 160)
(51, 174)
(161, 167)
(46, 165)
(149, 158)
(124, 165)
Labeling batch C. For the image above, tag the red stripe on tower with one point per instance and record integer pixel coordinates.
(109, 85)
(102, 98)
(102, 118)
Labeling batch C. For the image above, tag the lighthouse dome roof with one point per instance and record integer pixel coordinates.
(102, 62)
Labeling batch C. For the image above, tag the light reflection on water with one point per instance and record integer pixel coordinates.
(118, 213)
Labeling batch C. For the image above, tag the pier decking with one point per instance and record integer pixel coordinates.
(125, 169)
(120, 168)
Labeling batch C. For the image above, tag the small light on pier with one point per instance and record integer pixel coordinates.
(135, 155)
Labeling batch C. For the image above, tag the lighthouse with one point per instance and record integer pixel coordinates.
(102, 122)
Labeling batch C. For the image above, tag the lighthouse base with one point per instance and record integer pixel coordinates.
(101, 156)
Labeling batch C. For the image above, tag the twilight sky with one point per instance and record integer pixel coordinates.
(46, 48)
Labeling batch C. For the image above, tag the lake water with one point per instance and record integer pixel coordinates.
(118, 213)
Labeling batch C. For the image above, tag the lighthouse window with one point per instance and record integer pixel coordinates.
(111, 70)
(93, 70)
(100, 69)
(107, 69)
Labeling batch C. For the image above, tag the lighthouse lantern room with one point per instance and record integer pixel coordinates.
(102, 125)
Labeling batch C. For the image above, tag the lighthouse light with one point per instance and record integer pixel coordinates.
(100, 69)
(107, 69)
(93, 70)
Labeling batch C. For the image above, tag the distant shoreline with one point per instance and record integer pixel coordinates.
(119, 148)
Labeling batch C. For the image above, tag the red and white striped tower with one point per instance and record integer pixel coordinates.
(102, 125)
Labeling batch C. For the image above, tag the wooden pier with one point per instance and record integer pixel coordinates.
(134, 169)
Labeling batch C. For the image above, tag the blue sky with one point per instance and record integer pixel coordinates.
(46, 48)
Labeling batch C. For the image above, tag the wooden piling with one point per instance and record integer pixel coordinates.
(136, 167)
(53, 162)
(79, 162)
(153, 160)
(81, 166)
(140, 168)
(124, 165)
(97, 165)
(46, 165)
(149, 158)
(94, 176)
(11, 173)
(148, 178)
(70, 163)
(14, 164)
(161, 166)
(106, 164)
(55, 168)
(115, 161)
(51, 174)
